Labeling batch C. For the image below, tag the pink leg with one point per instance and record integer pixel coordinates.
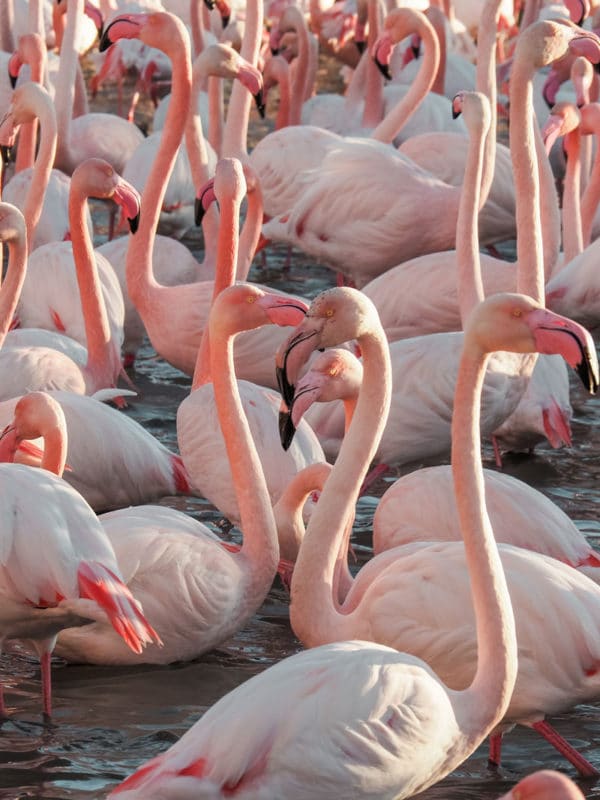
(376, 472)
(497, 453)
(495, 754)
(46, 683)
(581, 764)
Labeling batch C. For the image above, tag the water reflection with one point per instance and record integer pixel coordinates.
(108, 720)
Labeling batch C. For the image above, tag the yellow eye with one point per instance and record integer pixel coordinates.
(250, 298)
(329, 312)
(517, 312)
(333, 372)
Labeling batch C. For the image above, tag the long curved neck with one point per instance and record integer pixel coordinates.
(300, 67)
(55, 449)
(227, 252)
(527, 189)
(7, 26)
(250, 232)
(373, 108)
(470, 285)
(197, 27)
(215, 111)
(438, 19)
(141, 283)
(490, 692)
(100, 363)
(393, 121)
(238, 112)
(43, 165)
(65, 86)
(589, 202)
(549, 210)
(313, 610)
(35, 56)
(260, 547)
(486, 84)
(571, 209)
(13, 283)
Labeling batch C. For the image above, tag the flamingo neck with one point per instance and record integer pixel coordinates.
(526, 180)
(43, 165)
(549, 210)
(470, 284)
(35, 56)
(215, 111)
(591, 197)
(227, 252)
(490, 692)
(438, 19)
(65, 85)
(373, 108)
(282, 119)
(13, 283)
(260, 549)
(300, 69)
(486, 84)
(251, 231)
(55, 449)
(7, 26)
(571, 208)
(313, 611)
(197, 28)
(392, 123)
(236, 125)
(100, 367)
(141, 283)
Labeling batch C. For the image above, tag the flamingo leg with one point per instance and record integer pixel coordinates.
(45, 659)
(376, 472)
(581, 764)
(497, 453)
(495, 753)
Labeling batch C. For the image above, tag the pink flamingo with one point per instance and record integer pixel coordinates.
(33, 367)
(435, 630)
(89, 135)
(201, 442)
(214, 589)
(78, 580)
(40, 191)
(174, 316)
(348, 689)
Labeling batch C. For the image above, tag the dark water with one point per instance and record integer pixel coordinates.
(108, 721)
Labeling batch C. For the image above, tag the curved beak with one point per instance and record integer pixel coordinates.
(203, 200)
(125, 26)
(260, 103)
(382, 51)
(282, 310)
(560, 335)
(14, 66)
(8, 444)
(129, 200)
(287, 429)
(292, 355)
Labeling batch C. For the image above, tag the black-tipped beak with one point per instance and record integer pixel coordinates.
(274, 51)
(225, 20)
(210, 4)
(13, 80)
(287, 429)
(384, 69)
(587, 376)
(198, 211)
(260, 103)
(416, 50)
(105, 41)
(360, 46)
(134, 223)
(5, 153)
(286, 389)
(455, 114)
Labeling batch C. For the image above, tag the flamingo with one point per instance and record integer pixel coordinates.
(413, 729)
(78, 580)
(44, 368)
(435, 630)
(201, 443)
(89, 135)
(210, 591)
(41, 192)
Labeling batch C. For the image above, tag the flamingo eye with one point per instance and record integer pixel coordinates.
(517, 312)
(250, 299)
(329, 312)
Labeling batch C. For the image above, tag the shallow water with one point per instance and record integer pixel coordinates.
(108, 721)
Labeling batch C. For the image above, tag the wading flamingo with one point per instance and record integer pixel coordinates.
(78, 579)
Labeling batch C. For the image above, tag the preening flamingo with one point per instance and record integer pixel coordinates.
(78, 579)
(435, 629)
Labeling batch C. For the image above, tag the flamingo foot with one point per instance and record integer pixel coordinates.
(497, 453)
(372, 476)
(495, 754)
(581, 764)
(46, 683)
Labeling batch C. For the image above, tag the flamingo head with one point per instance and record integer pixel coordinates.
(204, 198)
(245, 307)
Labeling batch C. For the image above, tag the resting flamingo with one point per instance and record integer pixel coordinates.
(40, 368)
(78, 579)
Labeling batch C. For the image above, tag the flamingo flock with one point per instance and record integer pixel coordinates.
(392, 340)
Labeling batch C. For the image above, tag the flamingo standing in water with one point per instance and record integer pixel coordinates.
(41, 367)
(78, 579)
(384, 723)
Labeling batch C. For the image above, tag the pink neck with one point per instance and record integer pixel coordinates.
(141, 284)
(301, 67)
(250, 232)
(34, 201)
(571, 208)
(34, 54)
(55, 450)
(591, 197)
(313, 611)
(373, 108)
(65, 86)
(236, 125)
(438, 19)
(100, 367)
(13, 283)
(394, 120)
(215, 110)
